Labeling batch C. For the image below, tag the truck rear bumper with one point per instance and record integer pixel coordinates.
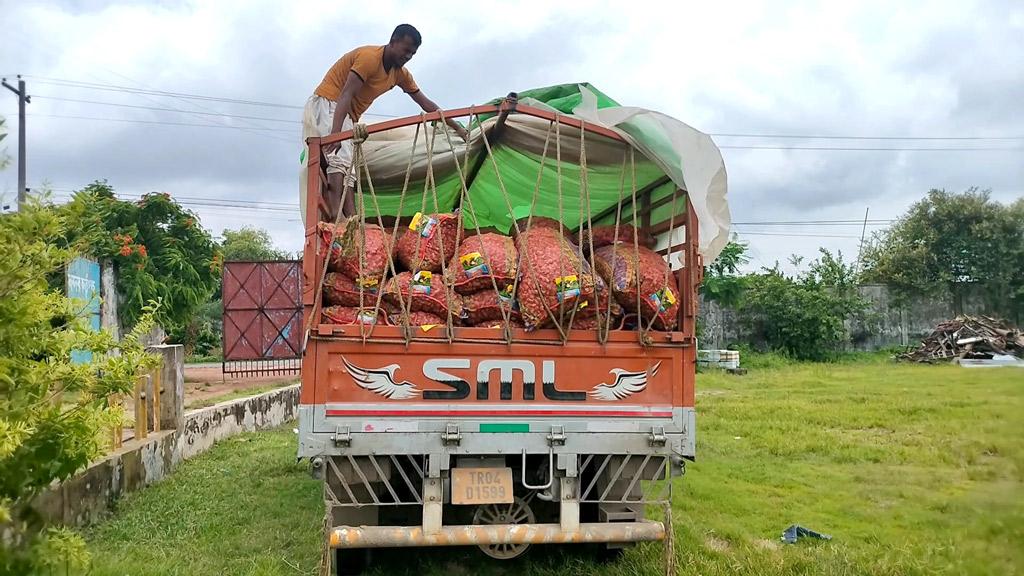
(413, 536)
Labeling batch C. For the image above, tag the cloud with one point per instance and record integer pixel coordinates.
(811, 68)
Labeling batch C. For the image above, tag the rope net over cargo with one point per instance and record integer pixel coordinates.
(541, 221)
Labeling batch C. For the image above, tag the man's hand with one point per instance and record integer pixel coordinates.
(428, 105)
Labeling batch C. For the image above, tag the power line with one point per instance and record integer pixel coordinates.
(228, 207)
(137, 91)
(270, 205)
(815, 223)
(129, 89)
(275, 215)
(168, 123)
(837, 137)
(189, 96)
(191, 198)
(866, 149)
(193, 96)
(119, 105)
(744, 233)
(221, 121)
(291, 209)
(163, 122)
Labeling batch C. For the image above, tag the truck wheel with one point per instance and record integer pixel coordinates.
(605, 554)
(518, 512)
(351, 562)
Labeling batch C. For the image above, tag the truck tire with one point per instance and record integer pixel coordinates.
(351, 562)
(606, 554)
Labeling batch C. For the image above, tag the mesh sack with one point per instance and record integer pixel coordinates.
(426, 291)
(419, 248)
(340, 290)
(515, 322)
(541, 223)
(485, 306)
(554, 278)
(376, 245)
(481, 258)
(594, 322)
(659, 300)
(603, 300)
(352, 315)
(323, 230)
(417, 318)
(605, 236)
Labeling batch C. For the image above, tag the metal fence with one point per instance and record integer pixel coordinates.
(262, 317)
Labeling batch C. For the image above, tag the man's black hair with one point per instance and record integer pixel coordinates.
(403, 30)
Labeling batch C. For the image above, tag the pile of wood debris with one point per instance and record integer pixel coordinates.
(969, 337)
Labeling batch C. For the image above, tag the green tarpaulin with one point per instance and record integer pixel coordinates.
(658, 146)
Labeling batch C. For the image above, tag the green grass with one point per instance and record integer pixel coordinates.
(204, 402)
(204, 359)
(911, 469)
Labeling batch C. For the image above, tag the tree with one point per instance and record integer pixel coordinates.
(722, 280)
(55, 416)
(161, 251)
(804, 315)
(948, 244)
(250, 243)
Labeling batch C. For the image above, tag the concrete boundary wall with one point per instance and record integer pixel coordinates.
(86, 497)
(896, 324)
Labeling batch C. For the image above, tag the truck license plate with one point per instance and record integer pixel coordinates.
(481, 485)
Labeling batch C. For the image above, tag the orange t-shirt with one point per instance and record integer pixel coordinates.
(368, 63)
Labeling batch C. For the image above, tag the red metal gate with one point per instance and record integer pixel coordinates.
(262, 317)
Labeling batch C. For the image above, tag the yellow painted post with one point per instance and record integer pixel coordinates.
(118, 430)
(141, 428)
(156, 397)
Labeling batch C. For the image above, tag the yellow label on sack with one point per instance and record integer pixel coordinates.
(421, 282)
(415, 224)
(567, 287)
(471, 260)
(567, 281)
(669, 296)
(583, 305)
(368, 282)
(428, 327)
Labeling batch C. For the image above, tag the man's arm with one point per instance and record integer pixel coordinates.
(428, 105)
(344, 106)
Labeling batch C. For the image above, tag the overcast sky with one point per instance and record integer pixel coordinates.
(893, 69)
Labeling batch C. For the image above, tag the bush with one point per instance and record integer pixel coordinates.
(55, 415)
(805, 316)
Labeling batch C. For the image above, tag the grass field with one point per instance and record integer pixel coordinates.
(911, 469)
(235, 394)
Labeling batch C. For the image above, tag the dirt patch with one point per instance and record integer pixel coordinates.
(208, 381)
(717, 544)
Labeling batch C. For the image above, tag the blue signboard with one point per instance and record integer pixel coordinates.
(83, 285)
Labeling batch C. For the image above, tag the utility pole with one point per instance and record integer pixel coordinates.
(863, 231)
(23, 98)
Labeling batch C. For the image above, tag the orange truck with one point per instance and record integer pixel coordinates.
(498, 436)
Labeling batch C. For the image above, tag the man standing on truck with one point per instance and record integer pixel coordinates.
(347, 90)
